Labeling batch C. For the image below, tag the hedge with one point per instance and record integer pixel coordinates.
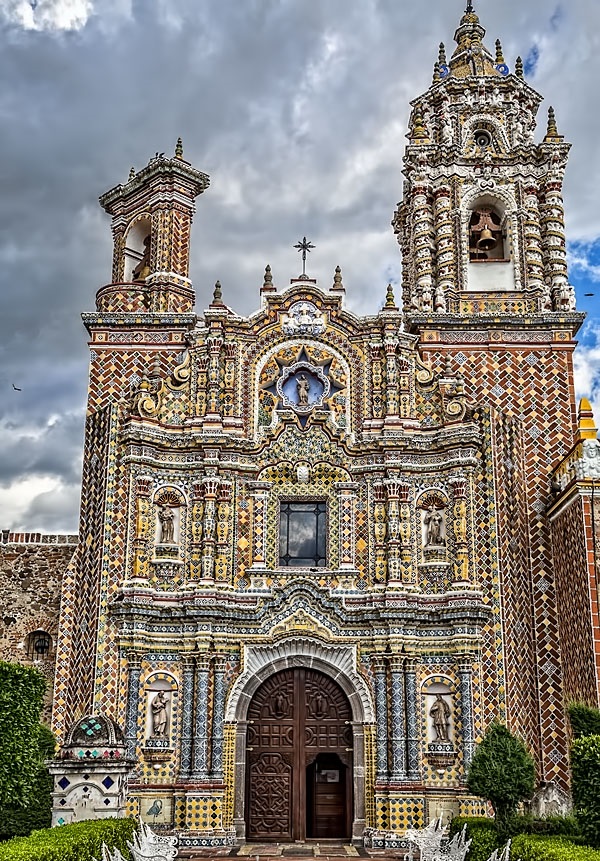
(584, 719)
(533, 847)
(81, 841)
(482, 832)
(21, 698)
(18, 821)
(585, 765)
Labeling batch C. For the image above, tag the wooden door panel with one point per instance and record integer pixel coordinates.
(296, 715)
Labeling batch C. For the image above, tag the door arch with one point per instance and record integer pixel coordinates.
(299, 758)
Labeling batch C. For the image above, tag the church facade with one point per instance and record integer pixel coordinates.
(319, 553)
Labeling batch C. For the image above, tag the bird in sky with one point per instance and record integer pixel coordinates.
(16, 388)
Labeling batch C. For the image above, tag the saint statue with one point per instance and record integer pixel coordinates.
(303, 388)
(440, 712)
(434, 522)
(166, 517)
(142, 270)
(159, 715)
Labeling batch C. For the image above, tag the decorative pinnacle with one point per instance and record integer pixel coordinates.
(419, 131)
(499, 53)
(268, 282)
(218, 294)
(337, 280)
(131, 174)
(519, 68)
(552, 130)
(305, 247)
(179, 148)
(442, 55)
(436, 72)
(390, 301)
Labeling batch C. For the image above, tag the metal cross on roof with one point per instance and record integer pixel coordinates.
(304, 247)
(469, 6)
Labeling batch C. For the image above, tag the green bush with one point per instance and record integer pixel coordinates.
(534, 847)
(585, 766)
(549, 825)
(502, 772)
(482, 832)
(584, 720)
(21, 699)
(81, 841)
(21, 821)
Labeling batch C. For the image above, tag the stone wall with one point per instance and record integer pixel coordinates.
(31, 570)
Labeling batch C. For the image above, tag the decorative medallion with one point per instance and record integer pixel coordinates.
(502, 69)
(303, 318)
(443, 70)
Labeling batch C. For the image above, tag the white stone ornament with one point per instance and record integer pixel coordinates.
(303, 318)
(146, 846)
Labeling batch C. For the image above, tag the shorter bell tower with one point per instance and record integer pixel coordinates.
(151, 220)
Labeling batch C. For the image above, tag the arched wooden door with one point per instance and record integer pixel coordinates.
(299, 758)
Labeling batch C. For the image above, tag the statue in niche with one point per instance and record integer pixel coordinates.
(440, 714)
(160, 717)
(303, 388)
(166, 517)
(434, 528)
(142, 270)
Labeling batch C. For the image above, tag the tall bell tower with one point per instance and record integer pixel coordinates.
(481, 224)
(485, 288)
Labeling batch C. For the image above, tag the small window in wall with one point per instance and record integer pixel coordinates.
(486, 236)
(39, 645)
(303, 534)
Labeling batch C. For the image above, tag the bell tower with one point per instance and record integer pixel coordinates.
(481, 223)
(151, 221)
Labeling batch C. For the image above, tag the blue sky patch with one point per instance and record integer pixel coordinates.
(531, 61)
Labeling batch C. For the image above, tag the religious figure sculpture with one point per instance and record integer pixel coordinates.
(166, 517)
(160, 715)
(303, 388)
(440, 712)
(142, 270)
(434, 523)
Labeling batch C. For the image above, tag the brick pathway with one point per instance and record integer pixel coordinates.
(290, 851)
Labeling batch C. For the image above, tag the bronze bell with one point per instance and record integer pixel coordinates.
(487, 241)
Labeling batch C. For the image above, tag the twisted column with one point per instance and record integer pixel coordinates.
(134, 669)
(187, 716)
(381, 706)
(200, 762)
(398, 712)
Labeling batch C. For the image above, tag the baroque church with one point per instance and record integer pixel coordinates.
(319, 553)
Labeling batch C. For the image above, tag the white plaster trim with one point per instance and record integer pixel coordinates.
(337, 662)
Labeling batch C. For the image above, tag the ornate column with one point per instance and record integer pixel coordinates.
(218, 717)
(143, 509)
(202, 402)
(534, 262)
(554, 246)
(407, 569)
(381, 706)
(412, 736)
(209, 522)
(200, 761)
(398, 716)
(187, 716)
(223, 530)
(347, 491)
(462, 574)
(134, 670)
(391, 379)
(213, 419)
(394, 544)
(376, 385)
(423, 244)
(380, 530)
(197, 515)
(465, 673)
(230, 350)
(444, 248)
(260, 499)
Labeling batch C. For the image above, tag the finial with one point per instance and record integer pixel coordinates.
(499, 53)
(436, 73)
(390, 301)
(419, 130)
(131, 174)
(179, 148)
(469, 6)
(442, 55)
(552, 135)
(217, 294)
(305, 247)
(587, 426)
(337, 280)
(519, 68)
(268, 280)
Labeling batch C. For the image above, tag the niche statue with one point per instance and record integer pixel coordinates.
(166, 517)
(434, 528)
(440, 712)
(160, 716)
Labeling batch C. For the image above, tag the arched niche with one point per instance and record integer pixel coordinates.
(439, 710)
(432, 506)
(169, 508)
(489, 232)
(39, 645)
(161, 695)
(137, 249)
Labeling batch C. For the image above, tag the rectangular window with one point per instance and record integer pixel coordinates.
(302, 534)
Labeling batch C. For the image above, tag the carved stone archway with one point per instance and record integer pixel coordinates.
(337, 662)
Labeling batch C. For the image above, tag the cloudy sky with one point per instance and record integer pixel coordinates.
(297, 110)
